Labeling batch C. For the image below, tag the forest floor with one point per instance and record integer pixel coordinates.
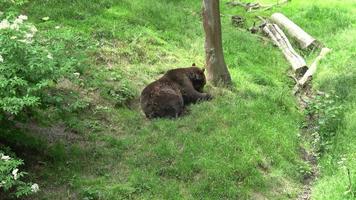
(93, 141)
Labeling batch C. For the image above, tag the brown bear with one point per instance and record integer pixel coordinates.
(167, 96)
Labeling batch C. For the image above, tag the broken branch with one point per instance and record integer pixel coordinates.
(313, 67)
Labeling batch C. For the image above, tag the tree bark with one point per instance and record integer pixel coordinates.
(215, 63)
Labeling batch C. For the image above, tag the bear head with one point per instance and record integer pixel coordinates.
(197, 76)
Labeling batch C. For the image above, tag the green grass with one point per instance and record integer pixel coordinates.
(338, 77)
(241, 145)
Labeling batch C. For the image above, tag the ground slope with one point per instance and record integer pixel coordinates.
(244, 144)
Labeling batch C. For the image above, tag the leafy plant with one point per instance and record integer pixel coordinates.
(16, 2)
(27, 66)
(10, 177)
(328, 114)
(122, 94)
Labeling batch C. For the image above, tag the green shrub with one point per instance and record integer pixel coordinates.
(15, 2)
(10, 177)
(27, 67)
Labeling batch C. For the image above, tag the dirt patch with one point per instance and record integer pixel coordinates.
(304, 96)
(52, 134)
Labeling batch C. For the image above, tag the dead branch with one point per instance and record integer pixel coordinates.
(254, 29)
(313, 67)
(264, 21)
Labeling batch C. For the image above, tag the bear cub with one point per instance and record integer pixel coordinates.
(168, 96)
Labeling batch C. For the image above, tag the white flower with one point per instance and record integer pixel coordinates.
(45, 18)
(22, 17)
(18, 21)
(29, 35)
(2, 183)
(35, 188)
(14, 173)
(13, 37)
(76, 74)
(33, 29)
(14, 26)
(57, 27)
(4, 24)
(2, 155)
(49, 56)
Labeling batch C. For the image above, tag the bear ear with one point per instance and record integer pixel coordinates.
(193, 65)
(203, 69)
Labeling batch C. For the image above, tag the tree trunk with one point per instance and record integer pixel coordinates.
(215, 63)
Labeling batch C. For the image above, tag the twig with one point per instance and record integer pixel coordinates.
(264, 21)
(293, 77)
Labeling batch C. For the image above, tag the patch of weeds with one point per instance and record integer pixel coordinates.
(90, 194)
(328, 114)
(114, 86)
(305, 169)
(345, 165)
(94, 125)
(66, 101)
(122, 94)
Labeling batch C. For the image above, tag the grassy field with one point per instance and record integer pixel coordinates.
(96, 143)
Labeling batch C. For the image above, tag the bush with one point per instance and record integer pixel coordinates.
(27, 67)
(10, 177)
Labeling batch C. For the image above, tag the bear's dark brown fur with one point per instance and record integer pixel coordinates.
(167, 96)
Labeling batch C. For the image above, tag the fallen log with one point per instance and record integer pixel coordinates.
(279, 38)
(313, 67)
(304, 39)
